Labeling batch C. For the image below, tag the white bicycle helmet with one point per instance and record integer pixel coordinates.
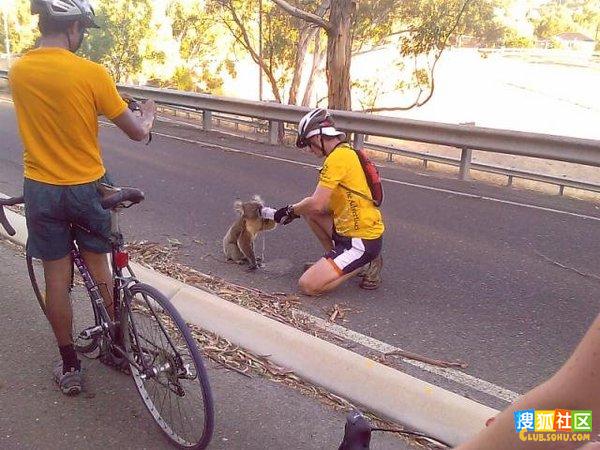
(66, 10)
(316, 122)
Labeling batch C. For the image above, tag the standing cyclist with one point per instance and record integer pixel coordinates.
(58, 97)
(341, 212)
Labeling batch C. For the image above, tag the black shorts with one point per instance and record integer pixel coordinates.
(350, 254)
(50, 209)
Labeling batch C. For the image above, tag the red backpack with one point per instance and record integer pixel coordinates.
(373, 179)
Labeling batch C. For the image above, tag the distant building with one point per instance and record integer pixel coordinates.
(576, 41)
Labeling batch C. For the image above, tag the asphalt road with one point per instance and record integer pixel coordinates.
(251, 413)
(464, 277)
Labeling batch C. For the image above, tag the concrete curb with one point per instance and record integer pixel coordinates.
(381, 389)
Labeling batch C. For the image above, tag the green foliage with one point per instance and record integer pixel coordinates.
(587, 17)
(192, 28)
(554, 19)
(196, 33)
(512, 39)
(197, 45)
(22, 27)
(124, 41)
(280, 34)
(482, 23)
(430, 24)
(375, 21)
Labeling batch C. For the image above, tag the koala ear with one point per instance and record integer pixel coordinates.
(256, 198)
(238, 206)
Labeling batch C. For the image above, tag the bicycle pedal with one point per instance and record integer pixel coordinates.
(91, 332)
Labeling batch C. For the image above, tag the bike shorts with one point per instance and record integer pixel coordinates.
(49, 211)
(350, 254)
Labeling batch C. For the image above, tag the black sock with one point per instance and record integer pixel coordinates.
(69, 357)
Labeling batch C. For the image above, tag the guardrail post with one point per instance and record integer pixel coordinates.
(273, 132)
(359, 141)
(465, 159)
(465, 164)
(207, 120)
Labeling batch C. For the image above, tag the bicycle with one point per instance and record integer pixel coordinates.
(147, 334)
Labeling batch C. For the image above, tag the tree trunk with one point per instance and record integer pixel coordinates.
(318, 57)
(305, 35)
(339, 54)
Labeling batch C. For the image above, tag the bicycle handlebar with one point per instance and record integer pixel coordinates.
(3, 220)
(357, 434)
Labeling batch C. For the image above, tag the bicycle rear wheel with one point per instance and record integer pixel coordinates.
(84, 312)
(168, 371)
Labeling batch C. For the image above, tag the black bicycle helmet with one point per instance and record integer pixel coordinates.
(66, 11)
(316, 122)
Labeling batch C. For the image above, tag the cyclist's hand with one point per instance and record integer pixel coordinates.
(148, 108)
(285, 215)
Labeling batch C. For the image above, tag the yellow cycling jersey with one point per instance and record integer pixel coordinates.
(353, 214)
(58, 97)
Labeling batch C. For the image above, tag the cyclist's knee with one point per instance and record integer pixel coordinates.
(308, 286)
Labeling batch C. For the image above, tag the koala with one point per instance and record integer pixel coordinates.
(238, 243)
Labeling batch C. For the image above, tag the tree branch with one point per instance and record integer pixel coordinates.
(303, 15)
(244, 40)
(418, 102)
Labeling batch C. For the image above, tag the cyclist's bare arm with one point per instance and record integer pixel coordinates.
(575, 386)
(315, 204)
(137, 126)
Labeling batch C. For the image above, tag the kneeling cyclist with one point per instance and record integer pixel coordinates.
(340, 212)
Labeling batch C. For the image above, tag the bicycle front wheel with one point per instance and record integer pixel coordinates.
(167, 367)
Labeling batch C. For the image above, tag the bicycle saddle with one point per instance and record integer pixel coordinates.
(113, 197)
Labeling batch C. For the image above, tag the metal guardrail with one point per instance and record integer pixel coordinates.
(465, 137)
(560, 148)
(509, 172)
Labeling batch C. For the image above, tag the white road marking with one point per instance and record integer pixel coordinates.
(374, 344)
(451, 374)
(493, 199)
(405, 183)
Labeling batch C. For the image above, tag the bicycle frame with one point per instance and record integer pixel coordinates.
(119, 260)
(105, 325)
